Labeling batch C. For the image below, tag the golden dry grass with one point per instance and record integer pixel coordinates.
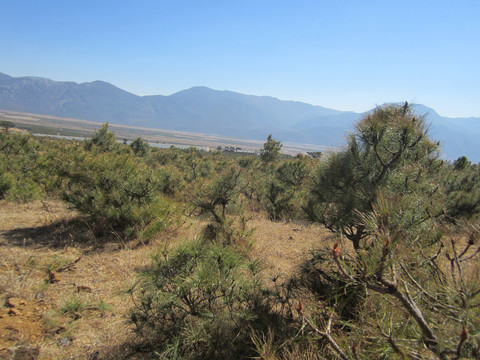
(38, 236)
(283, 246)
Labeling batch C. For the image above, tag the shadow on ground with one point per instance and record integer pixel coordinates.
(132, 350)
(59, 234)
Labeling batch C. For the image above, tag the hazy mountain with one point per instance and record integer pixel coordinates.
(196, 109)
(97, 100)
(204, 110)
(458, 136)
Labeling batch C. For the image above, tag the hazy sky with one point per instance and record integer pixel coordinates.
(346, 55)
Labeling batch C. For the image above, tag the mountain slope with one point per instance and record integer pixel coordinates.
(195, 109)
(228, 113)
(88, 101)
(204, 110)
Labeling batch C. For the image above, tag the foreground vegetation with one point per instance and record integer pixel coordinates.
(398, 280)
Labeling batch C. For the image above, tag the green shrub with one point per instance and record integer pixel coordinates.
(277, 198)
(21, 176)
(389, 151)
(172, 182)
(140, 147)
(195, 165)
(407, 274)
(102, 141)
(271, 150)
(6, 182)
(118, 193)
(221, 201)
(165, 156)
(293, 172)
(281, 190)
(462, 187)
(248, 162)
(408, 294)
(198, 301)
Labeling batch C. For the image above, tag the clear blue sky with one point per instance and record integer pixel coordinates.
(346, 55)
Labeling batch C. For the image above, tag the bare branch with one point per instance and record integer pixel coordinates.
(471, 256)
(69, 266)
(455, 259)
(391, 342)
(327, 336)
(463, 337)
(432, 259)
(432, 298)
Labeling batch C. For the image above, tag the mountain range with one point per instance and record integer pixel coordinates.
(226, 113)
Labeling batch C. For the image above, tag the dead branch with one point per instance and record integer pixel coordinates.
(69, 266)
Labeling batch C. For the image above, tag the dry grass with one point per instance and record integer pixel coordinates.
(40, 236)
(283, 246)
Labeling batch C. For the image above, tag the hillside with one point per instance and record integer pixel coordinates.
(126, 251)
(36, 236)
(209, 111)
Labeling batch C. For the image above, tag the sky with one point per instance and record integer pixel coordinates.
(346, 55)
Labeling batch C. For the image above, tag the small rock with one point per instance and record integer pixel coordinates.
(84, 288)
(53, 277)
(65, 341)
(40, 296)
(16, 302)
(15, 312)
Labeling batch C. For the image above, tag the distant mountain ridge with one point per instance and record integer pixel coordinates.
(201, 109)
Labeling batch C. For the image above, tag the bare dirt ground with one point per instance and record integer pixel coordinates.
(63, 297)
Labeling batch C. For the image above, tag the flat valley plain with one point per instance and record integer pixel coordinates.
(58, 126)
